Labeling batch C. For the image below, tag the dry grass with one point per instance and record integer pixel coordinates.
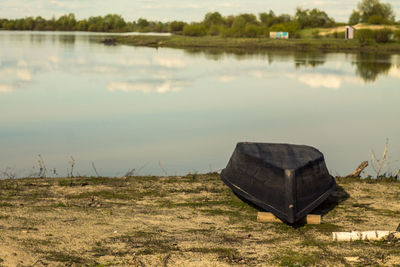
(182, 221)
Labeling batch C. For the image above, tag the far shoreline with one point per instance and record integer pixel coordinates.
(323, 44)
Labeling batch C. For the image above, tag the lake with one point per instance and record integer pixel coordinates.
(172, 111)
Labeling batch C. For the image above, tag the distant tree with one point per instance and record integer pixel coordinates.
(214, 18)
(95, 24)
(355, 17)
(82, 25)
(238, 26)
(229, 20)
(66, 22)
(142, 23)
(383, 12)
(113, 22)
(291, 27)
(215, 30)
(177, 26)
(267, 19)
(252, 31)
(194, 29)
(29, 24)
(40, 24)
(249, 18)
(313, 18)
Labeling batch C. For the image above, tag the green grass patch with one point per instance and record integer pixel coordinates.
(290, 258)
(324, 227)
(148, 243)
(202, 231)
(83, 181)
(59, 205)
(66, 258)
(220, 251)
(6, 204)
(108, 194)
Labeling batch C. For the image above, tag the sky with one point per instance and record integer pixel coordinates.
(167, 10)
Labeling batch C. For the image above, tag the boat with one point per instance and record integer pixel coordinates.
(284, 179)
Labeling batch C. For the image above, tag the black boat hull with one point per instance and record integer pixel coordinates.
(260, 173)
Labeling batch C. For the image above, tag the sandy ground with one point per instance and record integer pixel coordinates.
(357, 27)
(183, 221)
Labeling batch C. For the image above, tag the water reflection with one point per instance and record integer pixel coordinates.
(122, 107)
(369, 66)
(309, 59)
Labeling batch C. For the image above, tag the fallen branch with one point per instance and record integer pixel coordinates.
(95, 170)
(397, 173)
(42, 167)
(129, 173)
(162, 168)
(363, 235)
(358, 171)
(379, 165)
(72, 162)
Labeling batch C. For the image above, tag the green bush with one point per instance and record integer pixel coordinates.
(339, 35)
(364, 36)
(354, 18)
(315, 34)
(291, 27)
(397, 35)
(383, 35)
(177, 26)
(376, 19)
(215, 30)
(253, 31)
(194, 30)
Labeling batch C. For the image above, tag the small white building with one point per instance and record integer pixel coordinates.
(279, 35)
(349, 33)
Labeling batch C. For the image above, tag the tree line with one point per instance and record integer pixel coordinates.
(213, 24)
(243, 25)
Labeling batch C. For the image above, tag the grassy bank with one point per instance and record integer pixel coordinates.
(193, 220)
(323, 44)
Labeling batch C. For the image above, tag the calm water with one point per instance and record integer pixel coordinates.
(122, 107)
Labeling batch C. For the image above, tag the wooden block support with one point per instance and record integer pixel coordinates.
(269, 217)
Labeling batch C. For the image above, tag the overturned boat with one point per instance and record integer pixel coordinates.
(287, 180)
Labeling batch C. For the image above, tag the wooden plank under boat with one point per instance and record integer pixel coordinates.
(287, 180)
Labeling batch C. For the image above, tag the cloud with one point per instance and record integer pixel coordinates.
(330, 81)
(147, 88)
(170, 62)
(6, 88)
(226, 5)
(226, 78)
(319, 80)
(24, 75)
(134, 62)
(104, 69)
(58, 3)
(394, 72)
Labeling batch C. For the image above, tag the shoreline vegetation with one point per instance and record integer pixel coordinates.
(308, 29)
(184, 221)
(254, 44)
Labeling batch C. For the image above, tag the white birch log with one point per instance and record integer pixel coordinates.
(360, 235)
